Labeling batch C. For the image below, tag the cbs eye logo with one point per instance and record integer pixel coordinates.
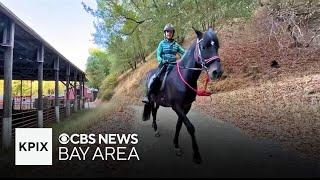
(64, 138)
(77, 138)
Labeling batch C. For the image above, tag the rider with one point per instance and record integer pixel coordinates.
(166, 53)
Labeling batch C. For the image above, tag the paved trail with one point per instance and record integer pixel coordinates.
(225, 151)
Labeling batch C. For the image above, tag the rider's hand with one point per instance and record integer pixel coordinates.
(165, 62)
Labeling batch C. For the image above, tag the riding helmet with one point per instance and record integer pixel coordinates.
(168, 27)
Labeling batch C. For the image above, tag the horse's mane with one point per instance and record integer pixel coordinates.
(189, 51)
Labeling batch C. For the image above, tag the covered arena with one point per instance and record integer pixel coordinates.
(26, 56)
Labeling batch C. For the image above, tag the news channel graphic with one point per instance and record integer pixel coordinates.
(115, 147)
(33, 146)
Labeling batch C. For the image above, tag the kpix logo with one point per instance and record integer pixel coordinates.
(33, 146)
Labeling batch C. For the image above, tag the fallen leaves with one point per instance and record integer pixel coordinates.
(280, 111)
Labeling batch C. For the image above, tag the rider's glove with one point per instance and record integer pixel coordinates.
(165, 62)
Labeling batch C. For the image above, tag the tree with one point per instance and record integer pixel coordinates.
(97, 67)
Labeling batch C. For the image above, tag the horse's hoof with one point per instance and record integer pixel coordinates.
(157, 134)
(178, 151)
(197, 159)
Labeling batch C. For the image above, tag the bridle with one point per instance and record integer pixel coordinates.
(204, 62)
(198, 56)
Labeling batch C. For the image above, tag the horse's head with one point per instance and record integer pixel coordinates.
(207, 53)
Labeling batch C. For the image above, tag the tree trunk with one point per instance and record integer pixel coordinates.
(144, 58)
(131, 65)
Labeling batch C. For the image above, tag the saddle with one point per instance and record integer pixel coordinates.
(163, 82)
(160, 82)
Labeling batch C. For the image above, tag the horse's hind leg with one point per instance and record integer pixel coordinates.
(154, 123)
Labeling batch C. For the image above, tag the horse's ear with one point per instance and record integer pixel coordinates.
(199, 33)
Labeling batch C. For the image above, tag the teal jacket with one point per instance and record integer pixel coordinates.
(167, 50)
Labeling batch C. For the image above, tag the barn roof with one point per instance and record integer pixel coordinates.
(26, 44)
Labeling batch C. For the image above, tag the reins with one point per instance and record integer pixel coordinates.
(197, 56)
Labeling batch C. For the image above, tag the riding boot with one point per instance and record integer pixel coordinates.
(150, 89)
(147, 97)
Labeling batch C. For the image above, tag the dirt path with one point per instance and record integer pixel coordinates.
(225, 151)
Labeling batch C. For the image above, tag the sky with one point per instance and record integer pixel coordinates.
(64, 24)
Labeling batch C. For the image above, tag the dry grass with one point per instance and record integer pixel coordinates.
(287, 111)
(131, 87)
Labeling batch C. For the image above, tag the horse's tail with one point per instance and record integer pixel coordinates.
(147, 111)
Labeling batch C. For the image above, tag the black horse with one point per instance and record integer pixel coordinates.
(180, 88)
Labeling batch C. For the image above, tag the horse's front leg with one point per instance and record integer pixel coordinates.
(176, 138)
(182, 115)
(177, 148)
(154, 123)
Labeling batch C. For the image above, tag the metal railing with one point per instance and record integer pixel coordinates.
(48, 115)
(62, 112)
(28, 118)
(23, 119)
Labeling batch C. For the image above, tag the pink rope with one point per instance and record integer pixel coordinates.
(202, 92)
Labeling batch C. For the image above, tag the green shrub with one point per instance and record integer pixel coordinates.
(106, 94)
(107, 87)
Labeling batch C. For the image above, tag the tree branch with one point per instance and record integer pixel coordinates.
(131, 32)
(136, 6)
(131, 19)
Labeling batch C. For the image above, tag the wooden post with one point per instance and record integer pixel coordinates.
(40, 60)
(20, 95)
(81, 93)
(31, 96)
(75, 105)
(56, 89)
(83, 97)
(8, 43)
(67, 87)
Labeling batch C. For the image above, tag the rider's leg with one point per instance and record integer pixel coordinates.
(151, 86)
(150, 90)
